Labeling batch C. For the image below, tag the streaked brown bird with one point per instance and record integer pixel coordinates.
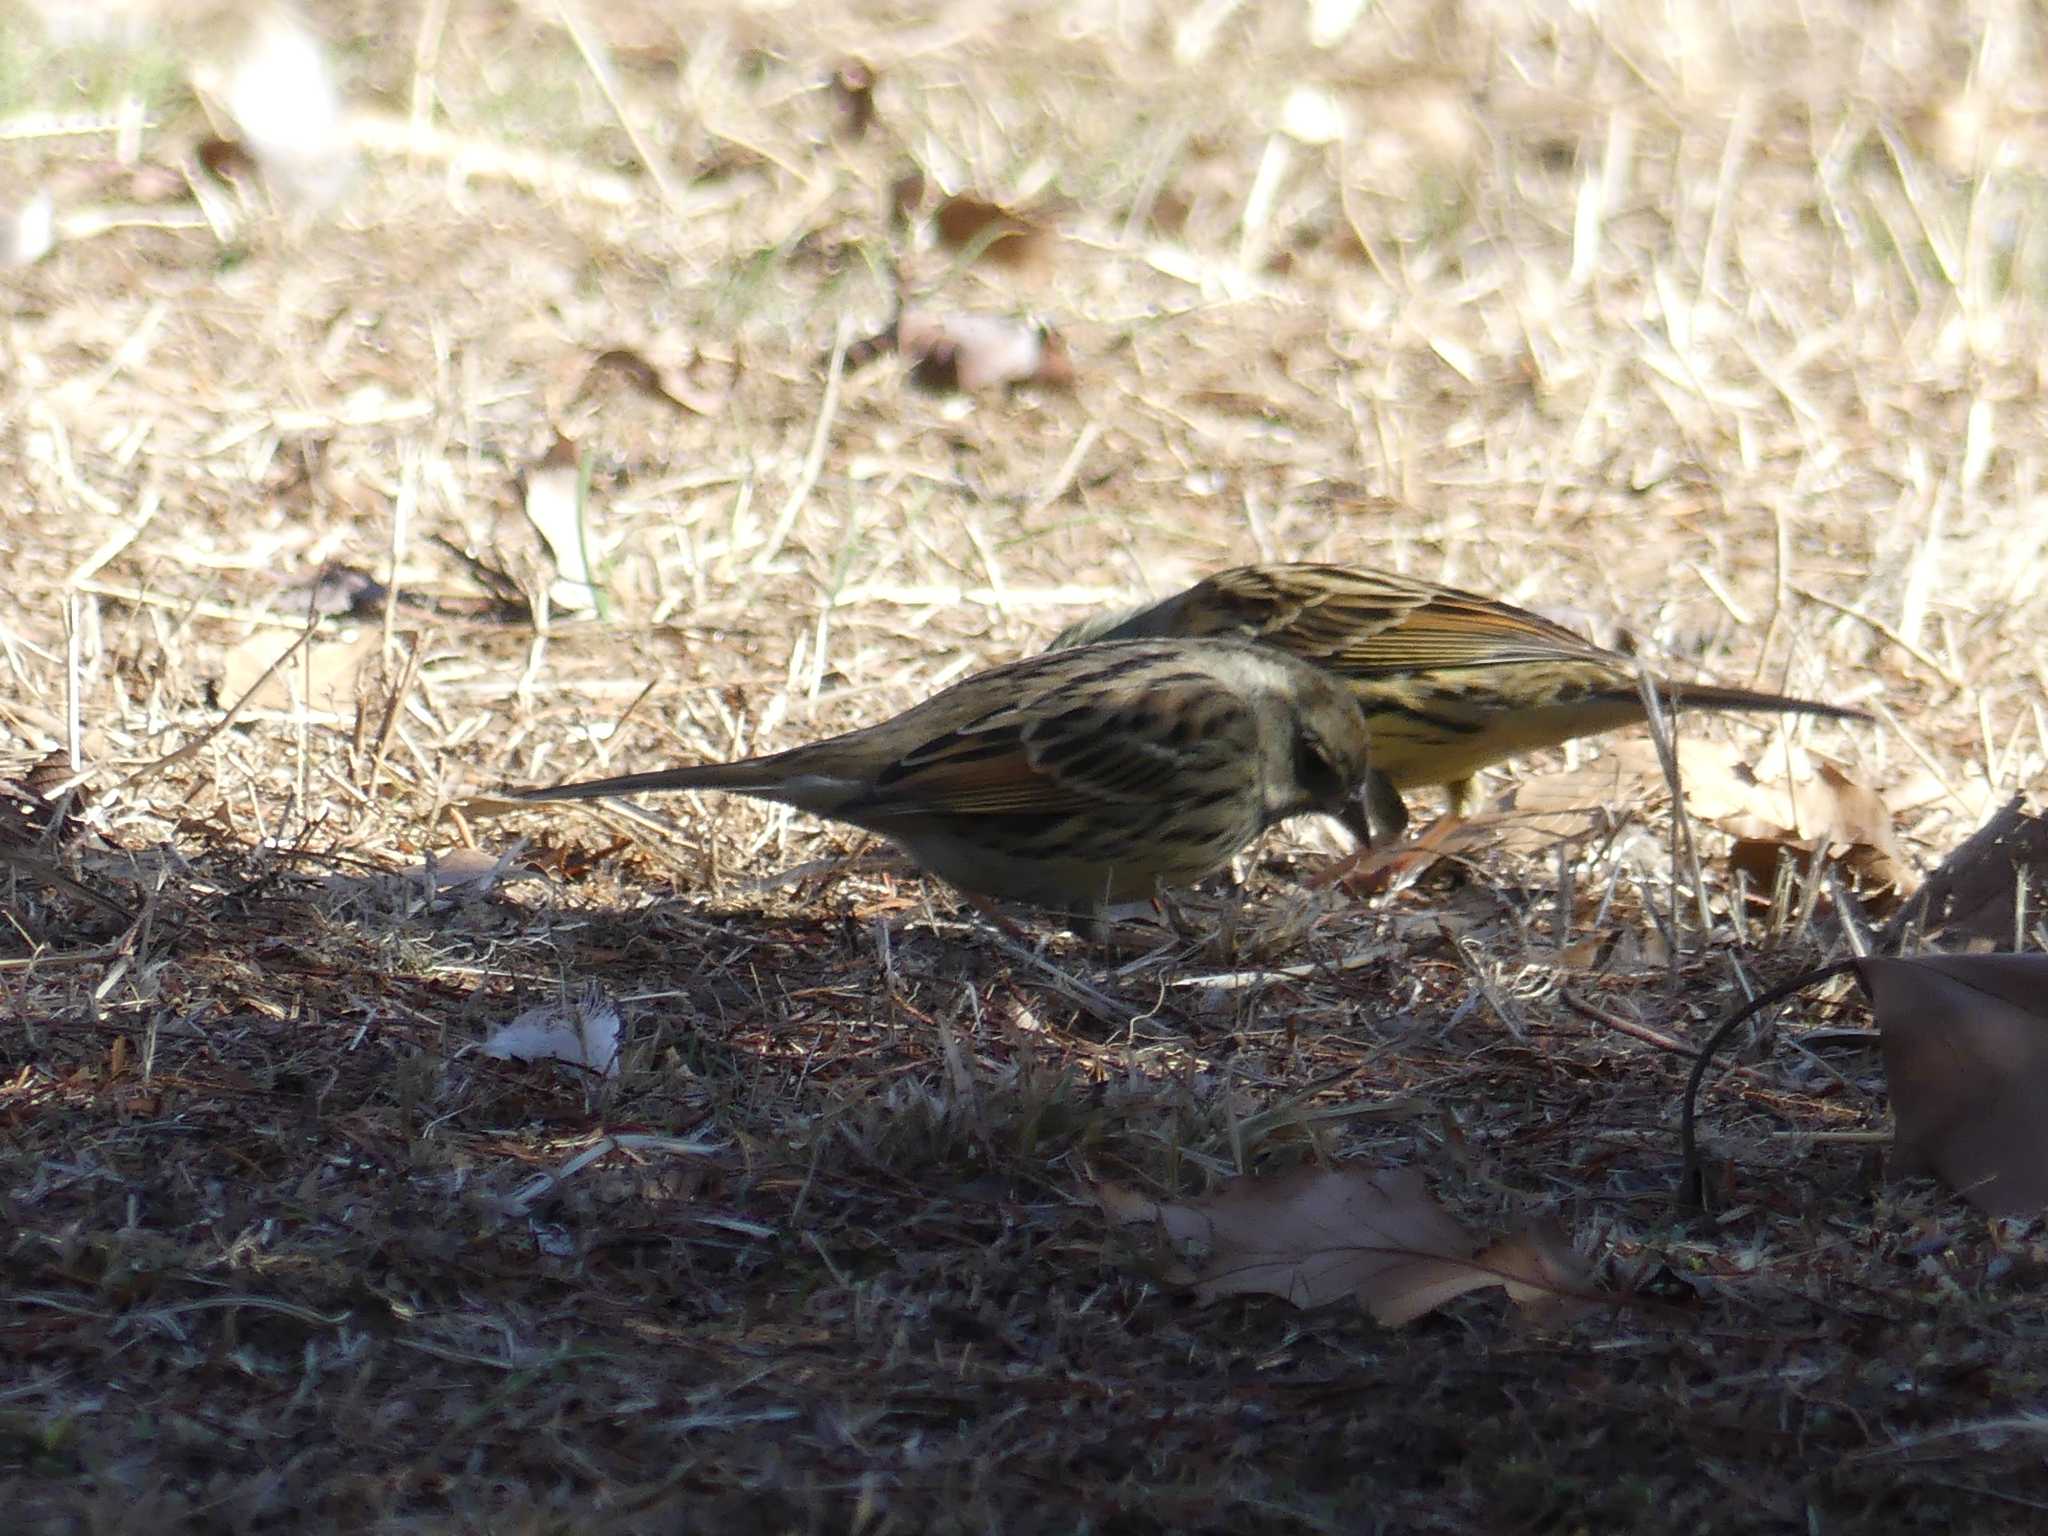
(1450, 682)
(1078, 778)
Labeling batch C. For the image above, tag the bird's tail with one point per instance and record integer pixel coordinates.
(749, 776)
(1709, 696)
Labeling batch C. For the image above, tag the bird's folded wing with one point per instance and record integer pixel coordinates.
(1313, 610)
(1135, 750)
(1367, 623)
(1454, 632)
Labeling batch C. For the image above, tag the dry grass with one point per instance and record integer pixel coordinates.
(1726, 327)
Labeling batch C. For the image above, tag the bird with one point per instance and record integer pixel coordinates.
(1075, 779)
(1450, 681)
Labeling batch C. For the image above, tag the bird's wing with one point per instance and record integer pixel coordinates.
(1365, 623)
(1132, 734)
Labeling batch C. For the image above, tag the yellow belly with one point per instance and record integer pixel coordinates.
(1450, 743)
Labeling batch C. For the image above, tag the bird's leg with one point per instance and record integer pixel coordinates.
(1460, 795)
(1132, 931)
(1087, 924)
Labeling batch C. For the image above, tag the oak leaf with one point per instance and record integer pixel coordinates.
(1320, 1235)
(1965, 1041)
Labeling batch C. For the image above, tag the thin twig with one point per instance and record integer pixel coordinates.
(170, 759)
(1070, 467)
(814, 460)
(1629, 1027)
(1919, 654)
(389, 724)
(598, 62)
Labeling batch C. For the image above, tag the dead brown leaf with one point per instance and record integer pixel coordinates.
(324, 679)
(1617, 951)
(34, 810)
(1544, 1272)
(1965, 1040)
(1374, 871)
(1818, 805)
(1540, 1270)
(1319, 1235)
(1982, 889)
(1834, 811)
(1627, 773)
(983, 229)
(473, 871)
(571, 861)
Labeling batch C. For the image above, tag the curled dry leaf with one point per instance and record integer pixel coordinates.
(556, 506)
(989, 230)
(669, 384)
(1819, 806)
(1318, 1235)
(1539, 1268)
(1965, 1040)
(568, 861)
(1829, 811)
(35, 809)
(472, 871)
(1542, 1269)
(1627, 773)
(1376, 871)
(970, 352)
(1616, 950)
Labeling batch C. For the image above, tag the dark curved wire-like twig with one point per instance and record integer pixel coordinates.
(1692, 1191)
